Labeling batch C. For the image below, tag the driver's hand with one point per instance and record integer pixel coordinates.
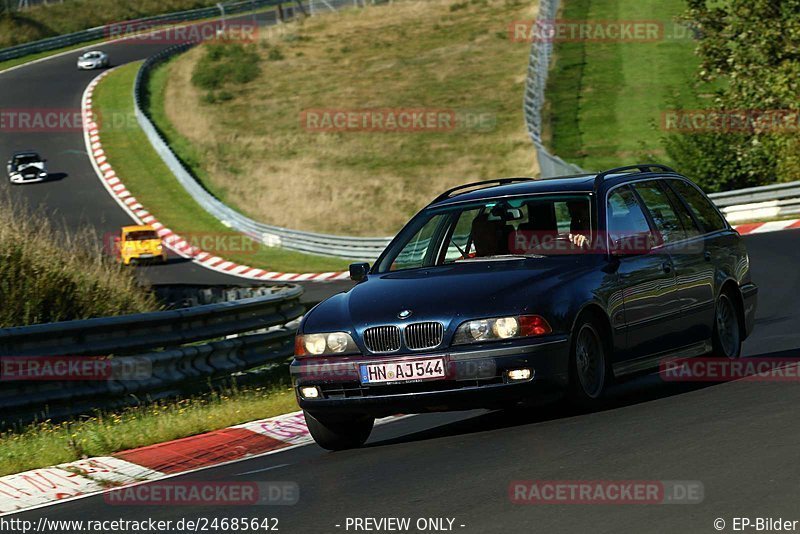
(579, 240)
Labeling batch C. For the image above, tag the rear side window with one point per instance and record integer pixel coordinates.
(625, 216)
(689, 224)
(666, 220)
(700, 205)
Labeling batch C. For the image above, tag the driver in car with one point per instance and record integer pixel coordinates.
(579, 227)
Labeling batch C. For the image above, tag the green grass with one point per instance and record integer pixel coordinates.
(58, 18)
(149, 180)
(45, 444)
(606, 99)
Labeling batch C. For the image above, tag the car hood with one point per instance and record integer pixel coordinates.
(447, 293)
(31, 167)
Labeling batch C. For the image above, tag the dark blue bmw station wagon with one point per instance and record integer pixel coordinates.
(501, 291)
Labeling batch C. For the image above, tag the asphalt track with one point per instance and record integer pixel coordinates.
(74, 198)
(740, 439)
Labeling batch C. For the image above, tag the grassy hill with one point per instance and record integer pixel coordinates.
(249, 145)
(606, 99)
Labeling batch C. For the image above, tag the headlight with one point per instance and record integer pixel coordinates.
(324, 344)
(501, 328)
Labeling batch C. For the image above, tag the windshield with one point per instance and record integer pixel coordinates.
(493, 229)
(142, 235)
(27, 160)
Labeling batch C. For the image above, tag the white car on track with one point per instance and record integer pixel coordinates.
(26, 167)
(93, 59)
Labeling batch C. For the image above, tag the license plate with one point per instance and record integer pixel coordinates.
(403, 371)
(145, 255)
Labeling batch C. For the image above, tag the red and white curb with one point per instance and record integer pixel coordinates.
(764, 227)
(116, 188)
(92, 476)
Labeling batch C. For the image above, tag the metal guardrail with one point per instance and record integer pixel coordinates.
(361, 248)
(180, 349)
(762, 202)
(103, 32)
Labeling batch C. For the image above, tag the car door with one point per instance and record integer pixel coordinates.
(647, 280)
(691, 258)
(719, 252)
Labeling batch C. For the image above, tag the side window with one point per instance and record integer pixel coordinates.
(701, 206)
(664, 216)
(625, 216)
(689, 224)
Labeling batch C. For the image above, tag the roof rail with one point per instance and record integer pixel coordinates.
(642, 167)
(499, 181)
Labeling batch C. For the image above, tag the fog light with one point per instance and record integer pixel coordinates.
(519, 374)
(309, 392)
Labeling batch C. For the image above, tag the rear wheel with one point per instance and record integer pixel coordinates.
(337, 433)
(727, 339)
(589, 374)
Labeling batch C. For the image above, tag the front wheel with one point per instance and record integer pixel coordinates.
(727, 340)
(589, 375)
(337, 433)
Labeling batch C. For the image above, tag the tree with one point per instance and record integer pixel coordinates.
(751, 50)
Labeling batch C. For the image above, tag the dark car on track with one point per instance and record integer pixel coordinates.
(502, 291)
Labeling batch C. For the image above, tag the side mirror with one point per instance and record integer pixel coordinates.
(358, 271)
(632, 245)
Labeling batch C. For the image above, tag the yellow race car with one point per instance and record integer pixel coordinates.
(138, 244)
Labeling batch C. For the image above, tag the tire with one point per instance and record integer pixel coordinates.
(589, 370)
(340, 432)
(727, 336)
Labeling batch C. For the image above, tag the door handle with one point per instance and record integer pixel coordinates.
(707, 255)
(667, 267)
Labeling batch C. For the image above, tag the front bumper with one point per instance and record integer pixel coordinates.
(20, 179)
(475, 378)
(160, 257)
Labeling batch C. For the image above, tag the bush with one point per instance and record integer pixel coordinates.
(749, 47)
(225, 64)
(275, 54)
(48, 277)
